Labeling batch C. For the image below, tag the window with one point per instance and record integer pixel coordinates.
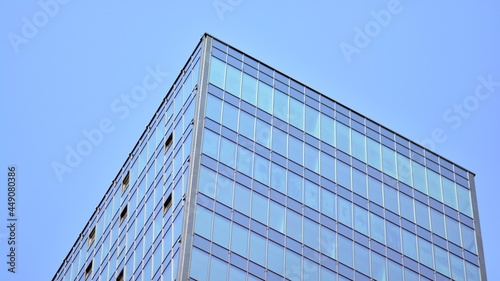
(91, 237)
(88, 270)
(167, 204)
(123, 214)
(168, 142)
(125, 182)
(120, 276)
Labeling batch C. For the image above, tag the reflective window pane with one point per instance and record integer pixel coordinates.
(249, 89)
(217, 72)
(233, 81)
(265, 97)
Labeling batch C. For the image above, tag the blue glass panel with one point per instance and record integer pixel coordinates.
(276, 216)
(214, 108)
(295, 150)
(217, 72)
(261, 169)
(328, 242)
(207, 182)
(373, 153)
(210, 143)
(407, 209)
(249, 90)
(278, 178)
(343, 137)
(472, 271)
(239, 240)
(244, 161)
(425, 252)
(345, 250)
(442, 263)
(265, 98)
(419, 177)
(279, 141)
(227, 152)
(327, 274)
(221, 231)
(410, 275)
(259, 208)
(377, 228)
(295, 186)
(422, 212)
(236, 274)
(218, 269)
(312, 122)
(311, 234)
(358, 145)
(409, 244)
(311, 160)
(328, 206)
(344, 211)
(389, 161)
(453, 230)
(449, 193)
(404, 170)
(257, 249)
(327, 166)
(247, 125)
(378, 267)
(200, 258)
(263, 133)
(230, 116)
(294, 225)
(457, 268)
(393, 236)
(375, 191)
(242, 199)
(437, 220)
(293, 266)
(359, 182)
(434, 184)
(468, 240)
(280, 108)
(276, 258)
(464, 201)
(362, 259)
(343, 174)
(311, 195)
(233, 81)
(391, 199)
(311, 270)
(395, 271)
(361, 220)
(296, 113)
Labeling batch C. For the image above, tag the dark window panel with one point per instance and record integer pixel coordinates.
(329, 111)
(390, 216)
(257, 227)
(296, 133)
(421, 197)
(361, 239)
(266, 78)
(345, 193)
(235, 53)
(212, 125)
(408, 225)
(281, 87)
(278, 197)
(311, 254)
(361, 277)
(312, 176)
(312, 214)
(297, 95)
(250, 70)
(280, 124)
(343, 119)
(265, 69)
(470, 257)
(405, 189)
(346, 158)
(409, 263)
(462, 181)
(447, 173)
(219, 54)
(346, 271)
(312, 103)
(205, 201)
(372, 134)
(294, 205)
(260, 188)
(282, 78)
(427, 272)
(461, 172)
(296, 85)
(436, 204)
(376, 174)
(207, 161)
(248, 60)
(344, 230)
(372, 125)
(276, 236)
(439, 241)
(360, 119)
(376, 209)
(450, 212)
(424, 233)
(262, 151)
(417, 148)
(220, 252)
(243, 141)
(388, 142)
(312, 94)
(223, 210)
(360, 201)
(377, 247)
(394, 256)
(432, 165)
(234, 62)
(402, 150)
(327, 149)
(219, 45)
(241, 219)
(238, 261)
(359, 165)
(264, 116)
(466, 220)
(329, 185)
(231, 99)
(271, 276)
(243, 179)
(250, 109)
(293, 245)
(390, 181)
(312, 141)
(278, 159)
(455, 249)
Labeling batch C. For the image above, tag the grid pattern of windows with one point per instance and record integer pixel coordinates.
(137, 224)
(341, 195)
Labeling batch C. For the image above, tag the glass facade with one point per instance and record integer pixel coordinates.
(287, 184)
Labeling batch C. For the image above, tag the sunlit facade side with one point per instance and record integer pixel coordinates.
(246, 174)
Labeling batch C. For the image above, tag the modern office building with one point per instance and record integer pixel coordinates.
(246, 174)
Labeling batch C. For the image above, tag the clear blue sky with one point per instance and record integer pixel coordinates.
(66, 67)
